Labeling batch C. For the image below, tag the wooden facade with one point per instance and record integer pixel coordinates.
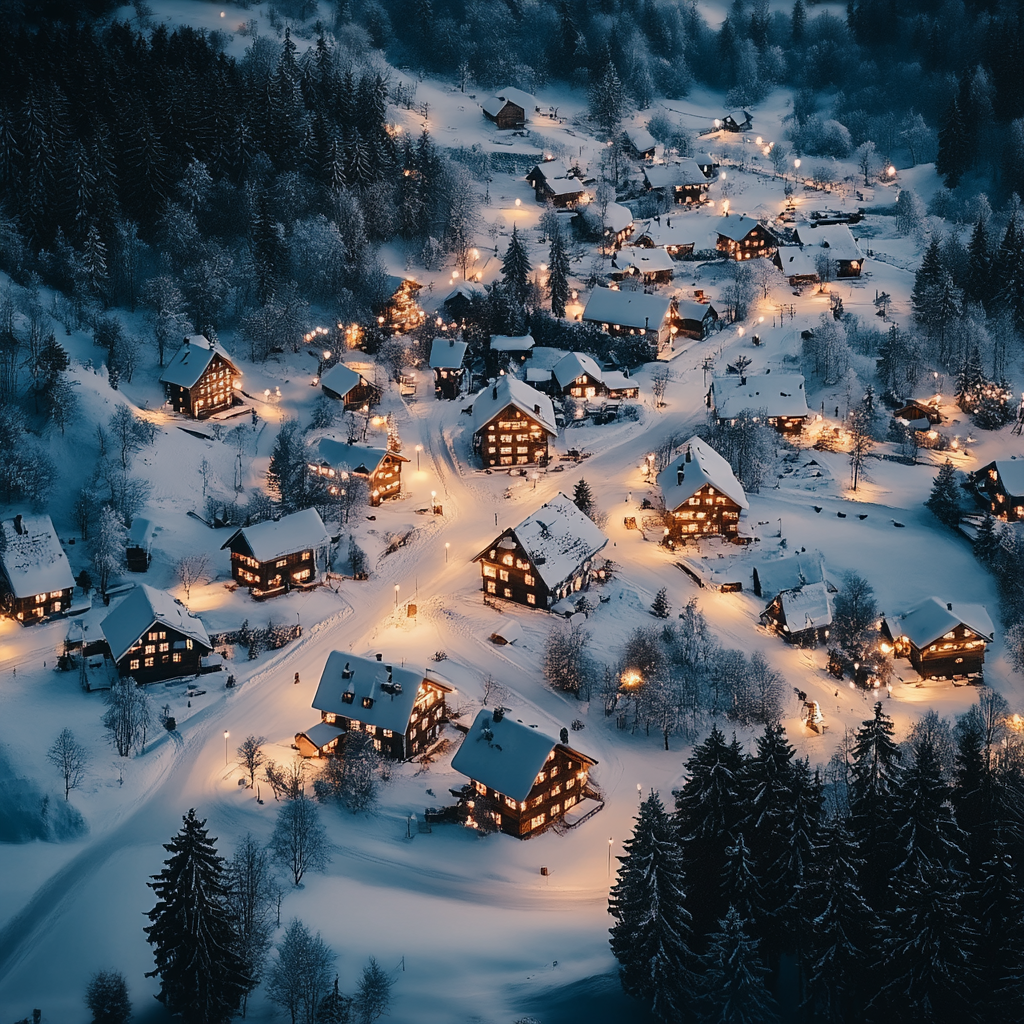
(504, 113)
(959, 652)
(937, 643)
(38, 607)
(379, 467)
(349, 387)
(801, 616)
(35, 576)
(507, 572)
(162, 653)
(512, 438)
(276, 576)
(1000, 487)
(201, 380)
(754, 242)
(708, 513)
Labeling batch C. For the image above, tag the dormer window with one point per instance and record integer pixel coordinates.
(367, 702)
(346, 698)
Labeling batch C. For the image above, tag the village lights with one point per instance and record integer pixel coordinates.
(226, 734)
(718, 124)
(796, 164)
(631, 678)
(519, 202)
(759, 140)
(891, 171)
(721, 175)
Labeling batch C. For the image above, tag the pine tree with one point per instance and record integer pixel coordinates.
(944, 501)
(334, 1008)
(996, 905)
(741, 885)
(515, 268)
(606, 100)
(799, 21)
(287, 473)
(201, 975)
(927, 278)
(734, 978)
(558, 275)
(953, 157)
(661, 607)
(652, 925)
(978, 285)
(970, 380)
(987, 540)
(1009, 263)
(583, 498)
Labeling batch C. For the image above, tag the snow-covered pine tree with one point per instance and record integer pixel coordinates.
(944, 501)
(1009, 263)
(650, 937)
(996, 905)
(334, 1008)
(107, 998)
(287, 473)
(558, 274)
(108, 547)
(978, 283)
(661, 607)
(953, 156)
(583, 498)
(927, 278)
(970, 380)
(987, 540)
(515, 269)
(741, 886)
(201, 975)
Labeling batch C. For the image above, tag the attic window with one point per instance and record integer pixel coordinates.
(346, 698)
(367, 702)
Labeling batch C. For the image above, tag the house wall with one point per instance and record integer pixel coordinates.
(585, 386)
(959, 652)
(510, 116)
(755, 243)
(708, 513)
(161, 653)
(137, 559)
(848, 268)
(213, 391)
(512, 438)
(1007, 507)
(510, 575)
(386, 480)
(29, 610)
(265, 579)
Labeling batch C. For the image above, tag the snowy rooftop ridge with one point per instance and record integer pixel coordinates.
(276, 538)
(340, 379)
(666, 231)
(359, 458)
(834, 240)
(627, 309)
(141, 608)
(931, 619)
(696, 465)
(807, 607)
(447, 353)
(676, 174)
(736, 227)
(796, 262)
(1011, 474)
(772, 576)
(506, 391)
(777, 394)
(574, 365)
(32, 558)
(192, 359)
(647, 260)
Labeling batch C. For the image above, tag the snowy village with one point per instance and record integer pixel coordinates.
(510, 512)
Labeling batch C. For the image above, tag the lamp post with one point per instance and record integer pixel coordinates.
(447, 545)
(610, 856)
(396, 597)
(419, 448)
(226, 734)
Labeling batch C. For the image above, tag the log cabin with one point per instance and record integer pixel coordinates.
(279, 555)
(509, 108)
(834, 241)
(152, 636)
(778, 398)
(555, 183)
(941, 640)
(649, 265)
(702, 496)
(639, 143)
(201, 379)
(402, 710)
(512, 347)
(620, 312)
(1000, 487)
(579, 376)
(512, 424)
(802, 616)
(447, 360)
(919, 415)
(674, 235)
(612, 229)
(683, 182)
(522, 780)
(349, 387)
(696, 320)
(35, 575)
(381, 468)
(743, 238)
(139, 546)
(544, 559)
(797, 264)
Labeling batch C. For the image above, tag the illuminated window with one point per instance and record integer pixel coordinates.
(164, 648)
(150, 648)
(280, 563)
(307, 555)
(537, 820)
(529, 580)
(508, 592)
(507, 560)
(491, 587)
(133, 664)
(188, 645)
(367, 702)
(490, 571)
(176, 657)
(503, 573)
(388, 734)
(531, 599)
(480, 788)
(149, 663)
(346, 697)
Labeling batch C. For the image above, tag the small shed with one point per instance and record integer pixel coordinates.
(507, 633)
(139, 546)
(509, 108)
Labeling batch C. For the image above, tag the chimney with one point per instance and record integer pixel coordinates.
(564, 735)
(451, 343)
(949, 606)
(498, 715)
(380, 657)
(689, 457)
(536, 407)
(494, 392)
(680, 473)
(18, 528)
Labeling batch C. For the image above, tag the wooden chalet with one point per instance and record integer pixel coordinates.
(702, 496)
(674, 236)
(649, 265)
(544, 559)
(556, 183)
(201, 379)
(707, 163)
(802, 616)
(1000, 486)
(612, 230)
(778, 398)
(152, 636)
(279, 555)
(35, 576)
(578, 375)
(509, 108)
(512, 424)
(401, 310)
(620, 312)
(381, 468)
(682, 181)
(401, 710)
(743, 238)
(919, 415)
(349, 387)
(696, 319)
(941, 640)
(835, 241)
(459, 301)
(138, 550)
(447, 360)
(737, 121)
(512, 347)
(797, 264)
(522, 780)
(640, 143)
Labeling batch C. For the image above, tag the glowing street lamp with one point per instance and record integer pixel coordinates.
(226, 734)
(419, 448)
(447, 545)
(396, 596)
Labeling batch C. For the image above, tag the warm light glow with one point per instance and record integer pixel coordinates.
(519, 202)
(631, 678)
(892, 171)
(759, 140)
(796, 164)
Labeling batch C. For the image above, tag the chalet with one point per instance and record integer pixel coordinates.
(737, 121)
(629, 312)
(797, 264)
(544, 559)
(702, 496)
(201, 379)
(447, 360)
(381, 468)
(1000, 486)
(547, 170)
(652, 266)
(279, 555)
(459, 301)
(554, 182)
(509, 108)
(707, 163)
(779, 398)
(772, 576)
(683, 182)
(941, 640)
(801, 616)
(349, 387)
(579, 376)
(743, 238)
(35, 576)
(919, 415)
(139, 547)
(512, 424)
(613, 228)
(401, 311)
(696, 319)
(835, 241)
(640, 143)
(675, 237)
(402, 710)
(522, 780)
(153, 636)
(512, 347)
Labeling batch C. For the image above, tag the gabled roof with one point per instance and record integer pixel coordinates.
(627, 309)
(705, 160)
(375, 681)
(835, 240)
(668, 231)
(617, 218)
(641, 139)
(506, 391)
(777, 394)
(496, 103)
(191, 360)
(809, 607)
(646, 260)
(557, 168)
(696, 465)
(796, 262)
(506, 755)
(140, 535)
(464, 290)
(574, 365)
(736, 227)
(775, 575)
(689, 309)
(142, 607)
(1011, 475)
(511, 342)
(675, 175)
(616, 380)
(357, 458)
(565, 186)
(558, 538)
(932, 619)
(447, 354)
(33, 560)
(341, 379)
(299, 531)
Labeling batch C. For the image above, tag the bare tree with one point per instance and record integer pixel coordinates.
(128, 715)
(765, 690)
(861, 442)
(108, 550)
(301, 973)
(299, 842)
(128, 434)
(866, 160)
(659, 383)
(567, 663)
(251, 756)
(191, 571)
(70, 759)
(204, 471)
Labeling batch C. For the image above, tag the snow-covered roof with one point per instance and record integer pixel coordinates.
(647, 261)
(557, 168)
(506, 391)
(447, 353)
(511, 342)
(143, 606)
(189, 362)
(545, 357)
(809, 607)
(33, 560)
(558, 538)
(737, 226)
(1011, 474)
(371, 682)
(667, 231)
(496, 103)
(298, 531)
(359, 458)
(537, 375)
(464, 290)
(627, 308)
(565, 186)
(322, 733)
(340, 379)
(705, 160)
(796, 262)
(641, 139)
(574, 365)
(676, 174)
(690, 309)
(696, 465)
(836, 239)
(617, 218)
(510, 630)
(616, 380)
(504, 754)
(140, 534)
(774, 575)
(777, 394)
(932, 619)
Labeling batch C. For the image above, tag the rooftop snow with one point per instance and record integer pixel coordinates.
(141, 608)
(545, 358)
(809, 607)
(931, 619)
(647, 261)
(774, 575)
(359, 458)
(565, 186)
(447, 353)
(574, 365)
(189, 362)
(627, 309)
(511, 343)
(689, 309)
(322, 733)
(616, 380)
(666, 232)
(1011, 473)
(140, 535)
(797, 262)
(681, 480)
(506, 391)
(836, 239)
(736, 227)
(776, 394)
(340, 379)
(678, 174)
(299, 531)
(33, 560)
(641, 139)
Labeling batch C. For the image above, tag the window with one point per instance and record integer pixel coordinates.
(491, 587)
(164, 648)
(176, 657)
(509, 802)
(55, 607)
(354, 725)
(280, 563)
(346, 698)
(149, 663)
(570, 783)
(367, 702)
(508, 591)
(188, 645)
(480, 788)
(133, 664)
(555, 809)
(531, 599)
(40, 598)
(152, 636)
(529, 580)
(490, 571)
(307, 555)
(376, 744)
(55, 593)
(537, 820)
(150, 648)
(388, 734)
(163, 635)
(506, 560)
(504, 575)
(556, 789)
(164, 659)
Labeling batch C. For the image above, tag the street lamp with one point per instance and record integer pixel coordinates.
(447, 545)
(396, 597)
(226, 734)
(610, 840)
(419, 448)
